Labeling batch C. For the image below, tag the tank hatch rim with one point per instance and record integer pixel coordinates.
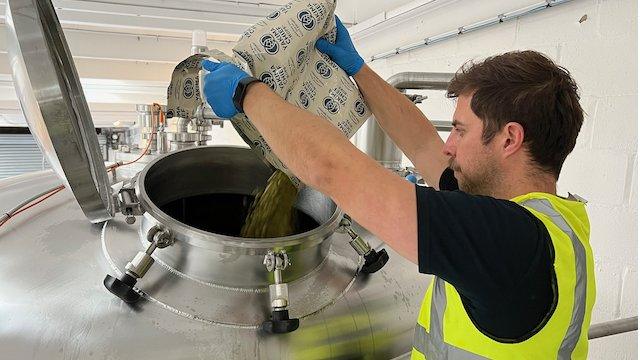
(201, 238)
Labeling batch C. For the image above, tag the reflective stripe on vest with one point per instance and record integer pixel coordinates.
(431, 344)
(580, 291)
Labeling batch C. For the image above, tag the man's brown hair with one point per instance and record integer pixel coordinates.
(528, 88)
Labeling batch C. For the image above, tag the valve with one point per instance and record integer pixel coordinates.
(123, 287)
(279, 323)
(373, 260)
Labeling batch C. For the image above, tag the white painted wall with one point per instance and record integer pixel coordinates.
(601, 53)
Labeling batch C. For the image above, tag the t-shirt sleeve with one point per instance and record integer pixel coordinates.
(478, 244)
(448, 181)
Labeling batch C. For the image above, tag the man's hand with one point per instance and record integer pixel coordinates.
(220, 85)
(342, 52)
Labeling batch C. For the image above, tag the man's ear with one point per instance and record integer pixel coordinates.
(513, 138)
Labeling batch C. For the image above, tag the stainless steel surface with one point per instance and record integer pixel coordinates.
(184, 133)
(372, 140)
(162, 142)
(60, 310)
(148, 122)
(220, 259)
(420, 80)
(235, 307)
(613, 327)
(140, 264)
(53, 103)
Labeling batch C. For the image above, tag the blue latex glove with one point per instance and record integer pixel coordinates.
(220, 85)
(342, 52)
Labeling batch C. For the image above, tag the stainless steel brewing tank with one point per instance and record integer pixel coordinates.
(59, 309)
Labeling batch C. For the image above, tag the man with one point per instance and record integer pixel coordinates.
(512, 262)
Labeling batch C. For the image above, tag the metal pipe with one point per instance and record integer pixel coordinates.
(613, 327)
(483, 24)
(374, 141)
(420, 80)
(148, 124)
(7, 215)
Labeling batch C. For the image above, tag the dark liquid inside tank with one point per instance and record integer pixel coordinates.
(223, 213)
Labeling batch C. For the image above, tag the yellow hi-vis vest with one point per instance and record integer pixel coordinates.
(445, 331)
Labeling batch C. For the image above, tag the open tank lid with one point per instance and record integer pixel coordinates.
(54, 105)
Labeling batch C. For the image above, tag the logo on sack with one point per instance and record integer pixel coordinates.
(304, 99)
(274, 15)
(246, 57)
(359, 108)
(323, 69)
(306, 19)
(331, 105)
(188, 89)
(268, 79)
(269, 44)
(301, 57)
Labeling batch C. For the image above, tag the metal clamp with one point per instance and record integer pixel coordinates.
(373, 260)
(128, 202)
(123, 287)
(280, 322)
(278, 292)
(204, 115)
(159, 238)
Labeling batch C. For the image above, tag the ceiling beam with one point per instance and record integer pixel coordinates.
(217, 18)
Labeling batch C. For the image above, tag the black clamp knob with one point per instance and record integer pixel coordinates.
(374, 261)
(280, 323)
(122, 288)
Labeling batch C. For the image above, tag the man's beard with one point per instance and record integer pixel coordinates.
(482, 182)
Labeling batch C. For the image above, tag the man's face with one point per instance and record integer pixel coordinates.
(475, 165)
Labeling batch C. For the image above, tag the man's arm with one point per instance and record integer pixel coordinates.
(399, 117)
(405, 124)
(320, 155)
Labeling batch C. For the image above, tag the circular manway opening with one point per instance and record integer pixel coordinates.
(212, 189)
(223, 213)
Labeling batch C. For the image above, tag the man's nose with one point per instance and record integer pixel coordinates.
(449, 148)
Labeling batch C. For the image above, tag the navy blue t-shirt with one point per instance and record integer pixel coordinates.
(497, 255)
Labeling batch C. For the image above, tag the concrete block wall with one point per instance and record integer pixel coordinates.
(601, 53)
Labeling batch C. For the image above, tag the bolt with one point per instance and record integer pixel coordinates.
(279, 303)
(163, 238)
(268, 262)
(130, 220)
